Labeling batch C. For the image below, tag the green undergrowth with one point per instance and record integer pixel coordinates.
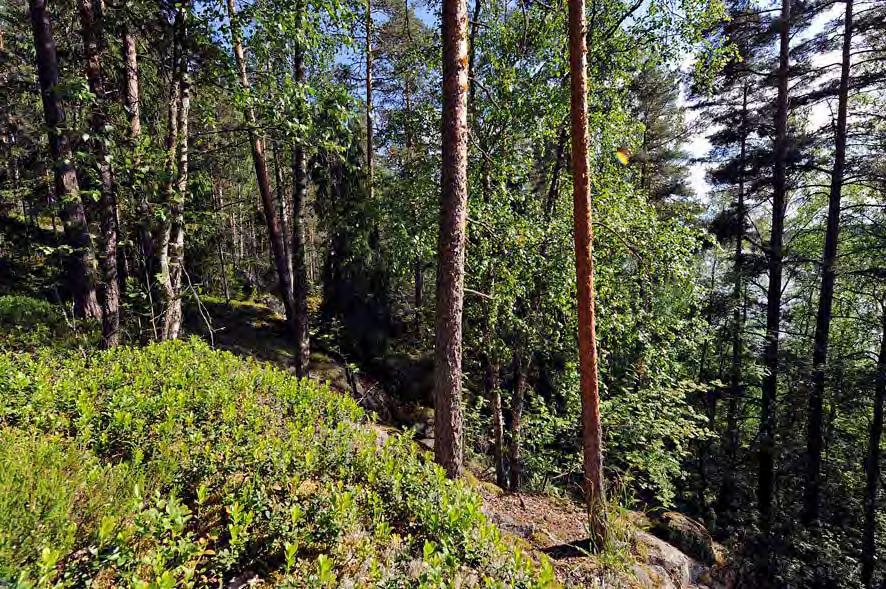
(28, 323)
(175, 465)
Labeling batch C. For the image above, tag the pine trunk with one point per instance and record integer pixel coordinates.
(872, 467)
(80, 263)
(766, 465)
(814, 441)
(448, 450)
(736, 387)
(90, 21)
(592, 441)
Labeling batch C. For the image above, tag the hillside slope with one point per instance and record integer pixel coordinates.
(175, 465)
(541, 525)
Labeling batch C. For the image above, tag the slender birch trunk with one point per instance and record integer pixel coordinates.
(260, 164)
(300, 279)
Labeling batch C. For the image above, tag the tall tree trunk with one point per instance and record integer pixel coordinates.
(724, 498)
(171, 232)
(282, 212)
(369, 140)
(766, 463)
(492, 390)
(515, 459)
(299, 243)
(418, 265)
(261, 174)
(159, 264)
(592, 440)
(492, 384)
(132, 104)
(472, 48)
(80, 263)
(872, 467)
(131, 99)
(448, 450)
(173, 315)
(826, 294)
(92, 30)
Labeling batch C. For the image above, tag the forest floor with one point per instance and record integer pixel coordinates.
(537, 523)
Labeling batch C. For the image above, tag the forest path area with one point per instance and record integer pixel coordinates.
(537, 523)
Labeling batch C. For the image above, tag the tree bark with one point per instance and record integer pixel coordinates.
(159, 263)
(492, 388)
(80, 263)
(592, 439)
(515, 459)
(282, 212)
(736, 386)
(131, 98)
(262, 179)
(872, 467)
(173, 315)
(448, 450)
(766, 461)
(299, 243)
(170, 235)
(132, 104)
(814, 442)
(369, 139)
(92, 30)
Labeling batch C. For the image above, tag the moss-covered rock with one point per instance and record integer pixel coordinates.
(687, 534)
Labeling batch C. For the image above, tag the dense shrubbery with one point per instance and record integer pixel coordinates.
(29, 323)
(179, 466)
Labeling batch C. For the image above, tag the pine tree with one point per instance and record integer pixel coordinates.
(592, 439)
(448, 443)
(81, 261)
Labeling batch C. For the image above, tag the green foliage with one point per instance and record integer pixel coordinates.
(53, 496)
(178, 466)
(26, 322)
(26, 312)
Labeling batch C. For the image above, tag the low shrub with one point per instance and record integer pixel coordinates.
(29, 323)
(178, 466)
